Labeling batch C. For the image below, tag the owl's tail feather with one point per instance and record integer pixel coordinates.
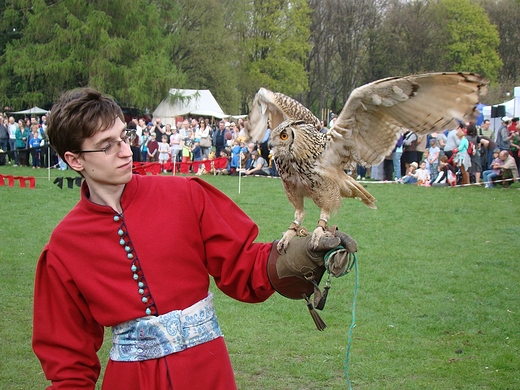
(356, 190)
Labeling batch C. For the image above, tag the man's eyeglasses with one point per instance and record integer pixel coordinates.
(114, 146)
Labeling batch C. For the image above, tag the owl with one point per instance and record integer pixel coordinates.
(312, 164)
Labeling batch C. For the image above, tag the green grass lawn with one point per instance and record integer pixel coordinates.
(438, 302)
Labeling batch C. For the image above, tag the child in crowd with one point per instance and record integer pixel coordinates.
(422, 175)
(164, 150)
(153, 146)
(426, 157)
(35, 141)
(433, 158)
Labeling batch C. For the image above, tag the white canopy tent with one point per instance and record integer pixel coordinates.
(191, 102)
(35, 110)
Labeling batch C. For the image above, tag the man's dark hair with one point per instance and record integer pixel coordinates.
(78, 115)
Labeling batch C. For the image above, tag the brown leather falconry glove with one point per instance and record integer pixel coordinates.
(297, 272)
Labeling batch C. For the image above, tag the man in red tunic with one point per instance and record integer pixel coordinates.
(100, 268)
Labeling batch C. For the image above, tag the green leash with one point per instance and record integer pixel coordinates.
(354, 264)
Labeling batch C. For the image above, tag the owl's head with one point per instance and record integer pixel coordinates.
(296, 138)
(282, 137)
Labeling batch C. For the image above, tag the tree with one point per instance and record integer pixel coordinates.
(409, 41)
(118, 47)
(275, 44)
(504, 14)
(473, 41)
(203, 45)
(340, 40)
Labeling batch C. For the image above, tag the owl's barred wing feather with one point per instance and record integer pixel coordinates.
(276, 107)
(369, 124)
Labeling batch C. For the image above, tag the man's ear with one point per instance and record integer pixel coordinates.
(74, 161)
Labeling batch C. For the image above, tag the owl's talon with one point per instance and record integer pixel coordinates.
(286, 238)
(317, 234)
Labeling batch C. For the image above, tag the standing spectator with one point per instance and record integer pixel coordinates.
(175, 145)
(13, 153)
(441, 143)
(396, 157)
(476, 165)
(196, 153)
(134, 146)
(205, 139)
(35, 142)
(219, 139)
(409, 150)
(143, 143)
(22, 137)
(264, 144)
(452, 141)
(153, 147)
(159, 129)
(164, 151)
(485, 131)
(462, 158)
(141, 125)
(4, 135)
(434, 153)
(235, 157)
(515, 143)
(388, 167)
(503, 137)
(421, 147)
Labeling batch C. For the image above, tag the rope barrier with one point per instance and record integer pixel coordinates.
(353, 324)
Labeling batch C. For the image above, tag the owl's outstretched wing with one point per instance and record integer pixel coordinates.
(373, 116)
(276, 107)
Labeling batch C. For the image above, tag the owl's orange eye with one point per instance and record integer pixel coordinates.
(283, 136)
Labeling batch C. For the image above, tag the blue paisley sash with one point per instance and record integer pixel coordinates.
(153, 337)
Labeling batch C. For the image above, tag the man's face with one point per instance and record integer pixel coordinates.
(221, 125)
(503, 155)
(194, 123)
(101, 170)
(485, 125)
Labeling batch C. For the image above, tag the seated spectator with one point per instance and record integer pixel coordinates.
(508, 170)
(422, 175)
(494, 171)
(259, 166)
(410, 177)
(441, 179)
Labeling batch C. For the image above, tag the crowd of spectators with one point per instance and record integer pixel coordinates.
(192, 140)
(468, 154)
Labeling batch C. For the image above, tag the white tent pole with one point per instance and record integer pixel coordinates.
(49, 162)
(239, 172)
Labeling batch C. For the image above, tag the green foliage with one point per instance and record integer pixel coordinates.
(74, 43)
(205, 51)
(473, 41)
(277, 47)
(438, 295)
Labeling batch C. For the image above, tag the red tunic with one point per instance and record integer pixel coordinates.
(84, 281)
